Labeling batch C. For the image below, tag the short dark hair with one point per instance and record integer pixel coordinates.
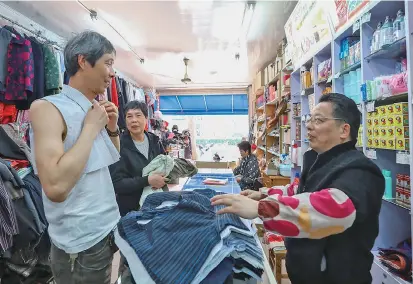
(91, 45)
(245, 146)
(137, 105)
(346, 109)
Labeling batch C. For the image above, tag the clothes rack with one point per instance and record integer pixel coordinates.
(38, 33)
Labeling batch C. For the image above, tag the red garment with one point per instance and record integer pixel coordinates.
(18, 164)
(114, 92)
(20, 68)
(8, 113)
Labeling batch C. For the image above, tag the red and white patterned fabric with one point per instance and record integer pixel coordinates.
(313, 215)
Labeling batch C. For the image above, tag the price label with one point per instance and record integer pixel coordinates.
(303, 92)
(370, 106)
(371, 154)
(403, 158)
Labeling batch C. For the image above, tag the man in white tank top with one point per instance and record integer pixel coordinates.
(74, 140)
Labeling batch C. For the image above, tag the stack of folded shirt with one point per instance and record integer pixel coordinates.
(177, 237)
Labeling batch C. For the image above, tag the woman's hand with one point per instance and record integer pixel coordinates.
(237, 204)
(256, 195)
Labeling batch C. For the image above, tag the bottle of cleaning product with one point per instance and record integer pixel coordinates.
(296, 179)
(399, 29)
(375, 43)
(386, 32)
(388, 189)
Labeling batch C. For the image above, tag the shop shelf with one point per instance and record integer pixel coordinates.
(393, 51)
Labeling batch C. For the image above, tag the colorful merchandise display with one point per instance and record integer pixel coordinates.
(369, 63)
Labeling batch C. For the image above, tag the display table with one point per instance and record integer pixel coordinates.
(231, 187)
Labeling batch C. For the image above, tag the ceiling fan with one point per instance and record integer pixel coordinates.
(184, 80)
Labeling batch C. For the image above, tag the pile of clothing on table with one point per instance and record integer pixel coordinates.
(24, 241)
(399, 259)
(177, 237)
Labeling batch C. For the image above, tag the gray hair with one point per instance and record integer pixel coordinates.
(91, 45)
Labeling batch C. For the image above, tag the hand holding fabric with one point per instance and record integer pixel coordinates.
(156, 180)
(237, 204)
(113, 114)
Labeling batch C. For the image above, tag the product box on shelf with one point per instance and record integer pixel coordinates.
(388, 127)
(403, 192)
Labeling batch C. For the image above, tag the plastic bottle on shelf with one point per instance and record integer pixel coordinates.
(375, 43)
(388, 189)
(399, 29)
(386, 32)
(296, 179)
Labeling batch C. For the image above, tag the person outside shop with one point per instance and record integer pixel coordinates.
(248, 171)
(331, 217)
(74, 139)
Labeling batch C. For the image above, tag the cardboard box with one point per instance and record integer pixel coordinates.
(383, 121)
(391, 144)
(390, 120)
(402, 144)
(401, 131)
(391, 132)
(376, 132)
(401, 108)
(376, 143)
(370, 142)
(381, 110)
(401, 120)
(383, 143)
(389, 109)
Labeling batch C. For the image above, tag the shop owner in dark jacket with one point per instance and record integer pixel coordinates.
(137, 149)
(331, 218)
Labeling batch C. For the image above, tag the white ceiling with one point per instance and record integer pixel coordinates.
(207, 32)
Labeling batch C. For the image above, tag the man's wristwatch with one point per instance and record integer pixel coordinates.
(113, 134)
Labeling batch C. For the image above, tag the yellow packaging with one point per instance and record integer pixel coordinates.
(370, 133)
(373, 114)
(391, 144)
(376, 121)
(401, 131)
(370, 142)
(401, 108)
(383, 143)
(369, 122)
(402, 144)
(376, 132)
(389, 109)
(390, 120)
(381, 110)
(390, 132)
(369, 115)
(376, 143)
(383, 121)
(401, 120)
(383, 132)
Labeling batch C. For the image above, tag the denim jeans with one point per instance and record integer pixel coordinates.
(92, 266)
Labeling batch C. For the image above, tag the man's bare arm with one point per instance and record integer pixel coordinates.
(58, 171)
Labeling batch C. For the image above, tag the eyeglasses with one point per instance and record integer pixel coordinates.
(317, 120)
